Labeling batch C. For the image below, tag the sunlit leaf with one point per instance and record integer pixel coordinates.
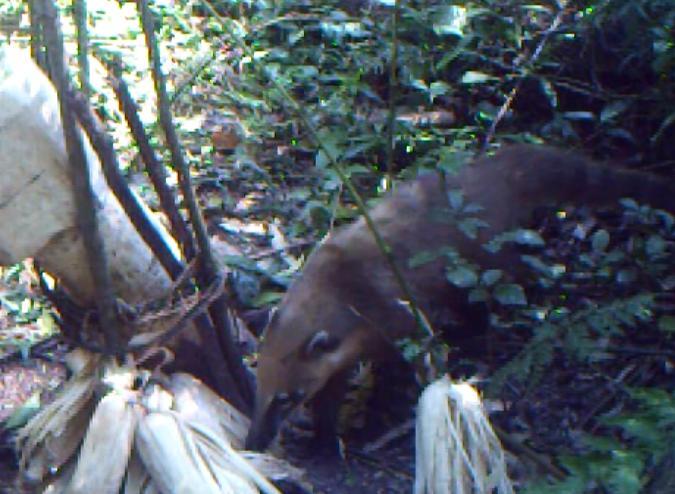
(473, 77)
(528, 237)
(491, 276)
(510, 294)
(462, 277)
(667, 324)
(600, 240)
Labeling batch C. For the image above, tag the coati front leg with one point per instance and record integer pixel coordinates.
(326, 407)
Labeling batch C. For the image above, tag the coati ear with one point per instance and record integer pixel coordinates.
(321, 342)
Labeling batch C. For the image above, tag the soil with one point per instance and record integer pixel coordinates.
(21, 381)
(387, 471)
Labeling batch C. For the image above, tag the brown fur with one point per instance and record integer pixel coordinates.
(345, 306)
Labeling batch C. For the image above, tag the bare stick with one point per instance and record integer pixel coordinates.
(208, 268)
(36, 34)
(221, 378)
(521, 449)
(155, 169)
(391, 117)
(80, 11)
(102, 144)
(81, 182)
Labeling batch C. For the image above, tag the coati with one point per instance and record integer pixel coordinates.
(346, 306)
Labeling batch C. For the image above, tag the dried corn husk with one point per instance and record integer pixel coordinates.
(53, 434)
(183, 437)
(58, 447)
(457, 452)
(221, 457)
(184, 442)
(105, 452)
(196, 403)
(158, 399)
(79, 361)
(276, 469)
(138, 479)
(59, 483)
(171, 458)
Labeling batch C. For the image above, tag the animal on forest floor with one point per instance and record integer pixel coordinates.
(346, 304)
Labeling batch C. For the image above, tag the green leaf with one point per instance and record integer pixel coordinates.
(478, 295)
(655, 246)
(549, 90)
(626, 276)
(322, 160)
(667, 324)
(528, 237)
(451, 19)
(494, 245)
(472, 208)
(579, 115)
(23, 414)
(356, 169)
(267, 298)
(537, 264)
(629, 204)
(422, 258)
(456, 199)
(600, 240)
(410, 349)
(470, 227)
(510, 294)
(491, 276)
(473, 77)
(462, 276)
(613, 110)
(438, 88)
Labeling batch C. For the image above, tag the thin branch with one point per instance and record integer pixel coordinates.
(219, 376)
(391, 117)
(155, 169)
(189, 82)
(103, 146)
(36, 34)
(522, 450)
(85, 201)
(208, 267)
(175, 148)
(80, 11)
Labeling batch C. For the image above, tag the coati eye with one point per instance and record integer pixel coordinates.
(321, 342)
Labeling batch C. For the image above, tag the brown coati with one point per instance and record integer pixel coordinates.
(346, 304)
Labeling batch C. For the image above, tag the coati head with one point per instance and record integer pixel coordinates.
(315, 333)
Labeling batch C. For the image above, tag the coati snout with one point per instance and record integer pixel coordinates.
(346, 304)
